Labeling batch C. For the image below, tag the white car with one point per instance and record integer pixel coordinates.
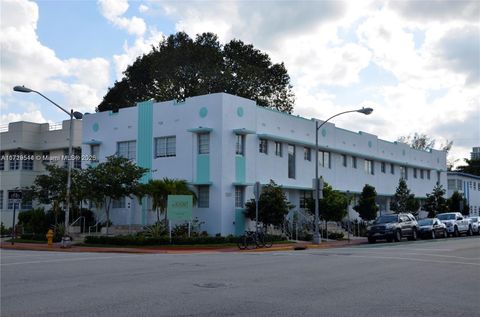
(456, 224)
(475, 223)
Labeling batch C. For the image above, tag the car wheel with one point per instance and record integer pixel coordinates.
(397, 236)
(455, 232)
(371, 240)
(414, 235)
(433, 234)
(469, 232)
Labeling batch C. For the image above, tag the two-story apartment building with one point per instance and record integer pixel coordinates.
(469, 186)
(222, 144)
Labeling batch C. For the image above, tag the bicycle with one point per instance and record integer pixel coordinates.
(252, 239)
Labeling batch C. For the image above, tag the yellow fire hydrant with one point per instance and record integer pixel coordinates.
(50, 237)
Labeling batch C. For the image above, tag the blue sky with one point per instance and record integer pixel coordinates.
(416, 62)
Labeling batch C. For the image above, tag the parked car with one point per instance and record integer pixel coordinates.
(393, 228)
(475, 223)
(456, 223)
(432, 228)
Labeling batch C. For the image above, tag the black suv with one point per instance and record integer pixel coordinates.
(393, 228)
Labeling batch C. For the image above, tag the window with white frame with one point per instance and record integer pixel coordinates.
(324, 159)
(14, 160)
(452, 184)
(278, 148)
(203, 196)
(344, 160)
(118, 203)
(392, 168)
(1, 199)
(291, 161)
(77, 162)
(354, 162)
(239, 144)
(166, 146)
(428, 174)
(383, 167)
(305, 196)
(263, 146)
(422, 174)
(46, 157)
(369, 167)
(414, 172)
(403, 172)
(27, 162)
(204, 143)
(239, 196)
(94, 152)
(127, 149)
(307, 154)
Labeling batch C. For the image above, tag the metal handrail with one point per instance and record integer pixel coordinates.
(96, 224)
(80, 218)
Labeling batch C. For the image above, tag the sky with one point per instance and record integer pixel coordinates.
(417, 63)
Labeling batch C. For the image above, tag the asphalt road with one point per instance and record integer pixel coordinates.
(422, 278)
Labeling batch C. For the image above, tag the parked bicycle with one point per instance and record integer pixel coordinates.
(251, 240)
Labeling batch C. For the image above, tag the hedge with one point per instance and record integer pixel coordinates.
(144, 241)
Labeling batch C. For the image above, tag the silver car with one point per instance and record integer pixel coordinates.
(475, 224)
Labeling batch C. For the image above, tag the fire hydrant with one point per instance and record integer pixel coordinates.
(50, 237)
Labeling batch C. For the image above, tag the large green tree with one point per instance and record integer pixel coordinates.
(180, 67)
(457, 203)
(435, 202)
(272, 205)
(403, 200)
(114, 179)
(472, 167)
(367, 208)
(332, 207)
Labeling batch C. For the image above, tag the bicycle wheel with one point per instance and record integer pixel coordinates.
(250, 242)
(260, 240)
(267, 241)
(242, 242)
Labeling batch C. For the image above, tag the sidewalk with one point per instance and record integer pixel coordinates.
(177, 249)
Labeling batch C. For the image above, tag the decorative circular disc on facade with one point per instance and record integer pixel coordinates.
(369, 143)
(324, 132)
(240, 111)
(95, 127)
(403, 152)
(203, 112)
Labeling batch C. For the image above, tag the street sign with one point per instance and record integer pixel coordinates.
(15, 197)
(257, 189)
(179, 207)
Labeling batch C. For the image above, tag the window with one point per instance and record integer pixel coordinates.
(77, 162)
(46, 157)
(127, 149)
(27, 162)
(421, 174)
(165, 146)
(324, 159)
(354, 162)
(392, 169)
(452, 184)
(94, 152)
(203, 196)
(344, 160)
(478, 187)
(307, 154)
(118, 203)
(240, 144)
(204, 143)
(2, 161)
(239, 196)
(291, 161)
(428, 174)
(278, 148)
(403, 172)
(263, 146)
(459, 184)
(14, 160)
(369, 167)
(474, 186)
(438, 177)
(305, 196)
(383, 167)
(1, 199)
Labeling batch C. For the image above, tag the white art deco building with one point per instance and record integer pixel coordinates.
(222, 144)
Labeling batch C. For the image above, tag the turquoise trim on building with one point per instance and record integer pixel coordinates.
(145, 144)
(243, 131)
(200, 130)
(111, 113)
(95, 127)
(93, 142)
(201, 183)
(239, 222)
(240, 112)
(240, 169)
(203, 168)
(242, 184)
(203, 112)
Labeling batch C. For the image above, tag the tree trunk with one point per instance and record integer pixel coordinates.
(158, 216)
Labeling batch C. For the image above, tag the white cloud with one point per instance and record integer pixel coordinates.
(113, 10)
(143, 8)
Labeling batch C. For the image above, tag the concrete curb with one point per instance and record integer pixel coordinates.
(176, 250)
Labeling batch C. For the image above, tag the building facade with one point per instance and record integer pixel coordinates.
(26, 148)
(475, 154)
(469, 186)
(222, 144)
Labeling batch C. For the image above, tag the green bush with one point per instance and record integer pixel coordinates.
(33, 236)
(33, 221)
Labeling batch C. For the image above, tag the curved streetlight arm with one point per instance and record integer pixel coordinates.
(369, 110)
(27, 90)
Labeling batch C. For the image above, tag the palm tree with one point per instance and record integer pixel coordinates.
(159, 190)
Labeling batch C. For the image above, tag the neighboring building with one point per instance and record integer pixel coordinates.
(469, 186)
(221, 144)
(475, 154)
(25, 149)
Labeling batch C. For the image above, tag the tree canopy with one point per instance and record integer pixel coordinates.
(403, 200)
(457, 203)
(435, 202)
(180, 67)
(367, 208)
(332, 207)
(421, 141)
(472, 167)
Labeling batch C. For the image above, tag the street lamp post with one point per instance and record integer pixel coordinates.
(72, 114)
(316, 237)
